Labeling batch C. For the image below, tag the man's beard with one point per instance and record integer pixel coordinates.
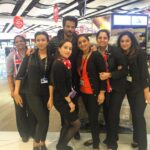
(68, 33)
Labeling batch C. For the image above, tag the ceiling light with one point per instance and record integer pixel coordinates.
(108, 9)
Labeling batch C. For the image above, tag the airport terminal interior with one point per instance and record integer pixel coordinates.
(26, 17)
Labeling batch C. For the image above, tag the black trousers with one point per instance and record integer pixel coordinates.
(38, 105)
(137, 106)
(24, 119)
(92, 108)
(116, 100)
(106, 109)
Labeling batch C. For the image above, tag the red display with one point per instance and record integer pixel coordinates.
(18, 22)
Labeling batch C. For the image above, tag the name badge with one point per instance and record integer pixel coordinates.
(73, 93)
(129, 78)
(82, 82)
(44, 80)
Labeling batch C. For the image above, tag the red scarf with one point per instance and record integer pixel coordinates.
(109, 88)
(66, 62)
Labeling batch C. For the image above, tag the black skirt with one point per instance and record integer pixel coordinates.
(63, 108)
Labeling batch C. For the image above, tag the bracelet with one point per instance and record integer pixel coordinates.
(69, 102)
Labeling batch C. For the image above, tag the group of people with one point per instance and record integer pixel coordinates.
(59, 71)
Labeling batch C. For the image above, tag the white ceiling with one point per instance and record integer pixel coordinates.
(38, 14)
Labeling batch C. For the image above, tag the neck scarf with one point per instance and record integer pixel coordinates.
(66, 62)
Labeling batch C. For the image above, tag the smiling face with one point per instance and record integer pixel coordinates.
(125, 43)
(103, 39)
(65, 50)
(41, 41)
(83, 44)
(20, 43)
(69, 28)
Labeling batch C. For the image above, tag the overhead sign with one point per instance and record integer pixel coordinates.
(129, 20)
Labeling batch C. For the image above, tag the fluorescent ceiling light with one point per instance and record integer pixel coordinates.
(8, 27)
(23, 7)
(109, 8)
(67, 9)
(29, 29)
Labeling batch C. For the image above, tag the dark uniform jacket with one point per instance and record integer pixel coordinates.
(53, 47)
(32, 69)
(115, 59)
(61, 80)
(138, 70)
(95, 65)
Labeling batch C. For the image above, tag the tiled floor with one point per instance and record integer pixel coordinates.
(12, 141)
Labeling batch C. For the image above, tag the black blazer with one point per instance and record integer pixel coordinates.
(95, 65)
(115, 59)
(138, 70)
(53, 46)
(61, 80)
(34, 68)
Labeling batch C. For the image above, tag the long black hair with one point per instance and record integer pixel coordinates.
(79, 59)
(134, 44)
(42, 33)
(45, 34)
(47, 48)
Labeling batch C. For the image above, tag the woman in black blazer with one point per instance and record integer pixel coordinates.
(64, 94)
(116, 66)
(138, 86)
(37, 69)
(113, 60)
(90, 64)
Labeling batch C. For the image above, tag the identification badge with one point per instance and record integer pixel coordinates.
(82, 82)
(44, 80)
(73, 93)
(129, 78)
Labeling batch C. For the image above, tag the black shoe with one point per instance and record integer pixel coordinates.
(105, 141)
(68, 148)
(134, 145)
(77, 136)
(36, 148)
(88, 142)
(25, 139)
(43, 147)
(61, 147)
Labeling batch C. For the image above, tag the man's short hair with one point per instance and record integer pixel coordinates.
(70, 18)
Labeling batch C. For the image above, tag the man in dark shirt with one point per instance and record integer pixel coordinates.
(68, 32)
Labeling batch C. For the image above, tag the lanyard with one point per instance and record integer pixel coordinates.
(20, 54)
(84, 61)
(17, 61)
(105, 57)
(43, 64)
